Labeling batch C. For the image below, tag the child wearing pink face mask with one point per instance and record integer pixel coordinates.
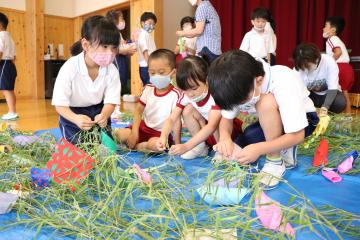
(88, 87)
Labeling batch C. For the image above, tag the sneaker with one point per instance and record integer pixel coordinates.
(200, 150)
(289, 157)
(271, 174)
(10, 116)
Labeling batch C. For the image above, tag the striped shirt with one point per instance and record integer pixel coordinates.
(211, 37)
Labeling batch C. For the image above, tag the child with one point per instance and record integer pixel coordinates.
(155, 105)
(239, 83)
(87, 87)
(337, 49)
(259, 42)
(188, 44)
(7, 69)
(146, 44)
(199, 111)
(320, 74)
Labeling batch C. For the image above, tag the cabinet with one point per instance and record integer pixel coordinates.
(52, 68)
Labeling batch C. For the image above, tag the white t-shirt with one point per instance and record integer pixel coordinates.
(75, 88)
(335, 42)
(158, 107)
(7, 46)
(189, 42)
(324, 77)
(290, 94)
(203, 107)
(145, 42)
(257, 44)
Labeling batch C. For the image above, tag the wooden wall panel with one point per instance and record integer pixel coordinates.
(59, 30)
(16, 28)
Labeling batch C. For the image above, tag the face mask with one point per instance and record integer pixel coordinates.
(149, 28)
(326, 35)
(121, 26)
(251, 103)
(193, 2)
(258, 29)
(160, 81)
(201, 96)
(187, 28)
(102, 59)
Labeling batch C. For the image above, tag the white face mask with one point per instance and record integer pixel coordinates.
(193, 2)
(258, 29)
(121, 25)
(249, 105)
(201, 97)
(187, 28)
(325, 35)
(161, 81)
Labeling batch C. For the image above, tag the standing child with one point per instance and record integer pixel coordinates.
(238, 82)
(87, 87)
(258, 41)
(200, 113)
(337, 49)
(7, 69)
(186, 46)
(155, 105)
(146, 44)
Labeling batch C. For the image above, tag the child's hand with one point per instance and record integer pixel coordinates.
(225, 147)
(84, 122)
(247, 155)
(132, 140)
(101, 120)
(178, 149)
(179, 33)
(161, 144)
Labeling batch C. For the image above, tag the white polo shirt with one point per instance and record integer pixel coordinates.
(335, 42)
(257, 44)
(290, 94)
(75, 88)
(324, 77)
(203, 107)
(7, 46)
(158, 107)
(145, 42)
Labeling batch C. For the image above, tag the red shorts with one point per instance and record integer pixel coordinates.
(145, 133)
(346, 76)
(237, 130)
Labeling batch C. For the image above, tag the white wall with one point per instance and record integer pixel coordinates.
(13, 4)
(174, 11)
(86, 6)
(64, 8)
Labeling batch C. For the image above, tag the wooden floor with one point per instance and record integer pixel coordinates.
(37, 114)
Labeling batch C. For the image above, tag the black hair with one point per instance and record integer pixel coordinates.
(187, 19)
(4, 21)
(148, 15)
(164, 54)
(98, 29)
(304, 54)
(231, 78)
(76, 48)
(260, 13)
(337, 22)
(113, 15)
(190, 70)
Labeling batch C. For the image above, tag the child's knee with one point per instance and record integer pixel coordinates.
(188, 111)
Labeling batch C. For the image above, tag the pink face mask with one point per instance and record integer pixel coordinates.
(102, 59)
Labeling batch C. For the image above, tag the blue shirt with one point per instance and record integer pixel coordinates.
(211, 37)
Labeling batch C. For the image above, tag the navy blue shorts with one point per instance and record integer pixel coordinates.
(144, 75)
(121, 62)
(70, 131)
(254, 133)
(7, 75)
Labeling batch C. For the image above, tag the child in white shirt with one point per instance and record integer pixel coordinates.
(186, 46)
(337, 49)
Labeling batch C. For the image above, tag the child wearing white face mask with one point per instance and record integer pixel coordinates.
(146, 44)
(155, 105)
(239, 82)
(88, 87)
(260, 41)
(198, 109)
(186, 46)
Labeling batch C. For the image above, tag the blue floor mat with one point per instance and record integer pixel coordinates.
(344, 195)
